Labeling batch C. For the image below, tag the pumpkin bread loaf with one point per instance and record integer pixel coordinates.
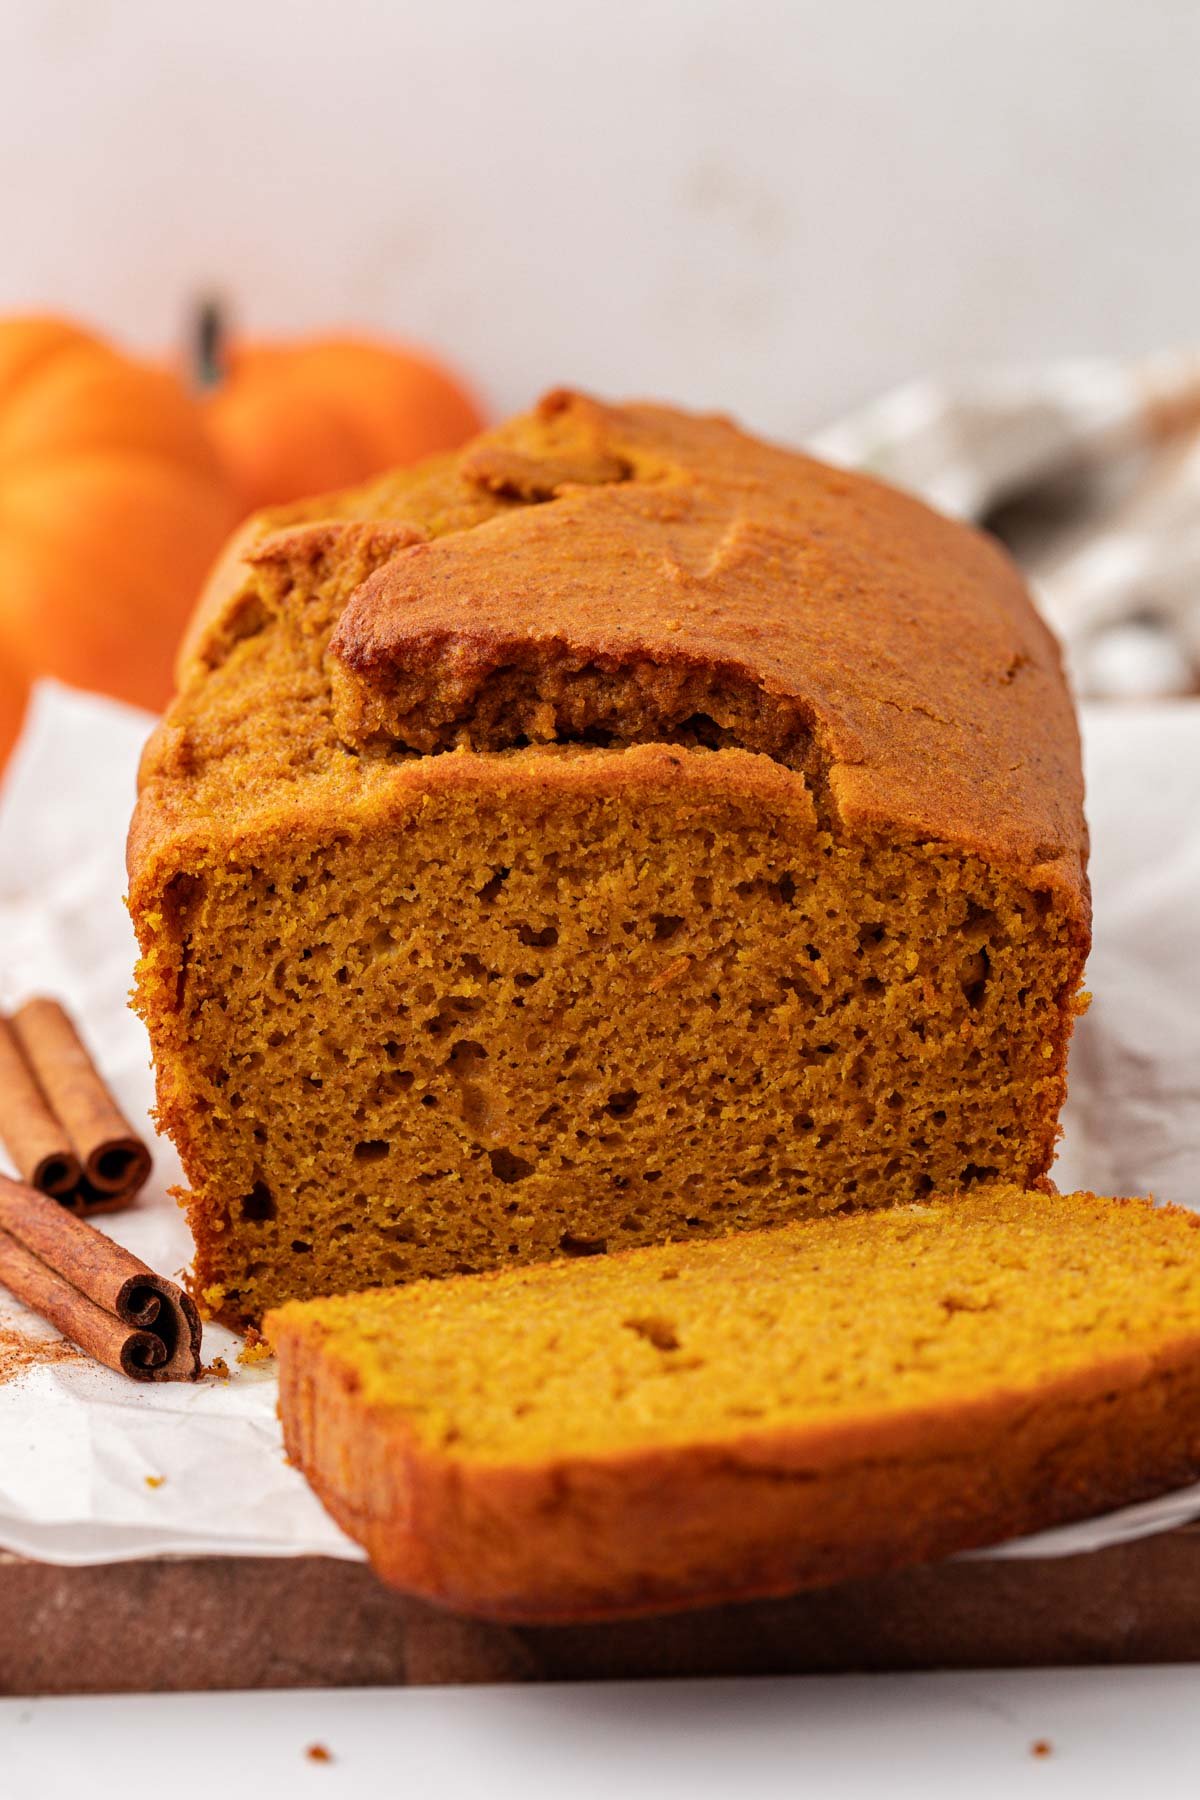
(621, 831)
(700, 1423)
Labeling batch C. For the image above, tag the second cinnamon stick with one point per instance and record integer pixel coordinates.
(114, 1159)
(37, 1142)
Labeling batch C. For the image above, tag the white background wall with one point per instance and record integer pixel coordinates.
(778, 208)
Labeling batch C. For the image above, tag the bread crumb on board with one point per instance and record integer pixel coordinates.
(319, 1753)
(255, 1348)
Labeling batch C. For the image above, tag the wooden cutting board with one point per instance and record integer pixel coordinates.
(186, 1623)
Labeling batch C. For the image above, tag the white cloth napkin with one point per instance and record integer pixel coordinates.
(1090, 471)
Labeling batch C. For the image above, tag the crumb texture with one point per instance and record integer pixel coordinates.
(499, 1035)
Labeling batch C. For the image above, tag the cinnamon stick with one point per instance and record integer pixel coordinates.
(114, 1160)
(36, 1141)
(98, 1294)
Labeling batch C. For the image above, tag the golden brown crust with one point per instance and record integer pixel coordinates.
(654, 548)
(676, 542)
(576, 1537)
(675, 1530)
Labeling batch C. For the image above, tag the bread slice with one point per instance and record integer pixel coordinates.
(692, 1424)
(623, 831)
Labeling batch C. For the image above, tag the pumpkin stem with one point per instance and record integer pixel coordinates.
(210, 336)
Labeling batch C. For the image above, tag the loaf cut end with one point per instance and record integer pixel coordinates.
(617, 998)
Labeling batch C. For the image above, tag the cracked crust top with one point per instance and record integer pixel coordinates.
(604, 574)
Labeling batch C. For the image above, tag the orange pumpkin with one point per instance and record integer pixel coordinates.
(113, 503)
(294, 419)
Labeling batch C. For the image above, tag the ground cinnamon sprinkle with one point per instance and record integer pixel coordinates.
(19, 1352)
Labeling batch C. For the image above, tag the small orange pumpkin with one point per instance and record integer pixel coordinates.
(113, 503)
(300, 418)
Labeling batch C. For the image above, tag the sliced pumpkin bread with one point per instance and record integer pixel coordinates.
(691, 1424)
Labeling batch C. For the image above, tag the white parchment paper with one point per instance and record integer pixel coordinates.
(78, 1443)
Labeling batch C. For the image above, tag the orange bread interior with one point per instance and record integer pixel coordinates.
(701, 1422)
